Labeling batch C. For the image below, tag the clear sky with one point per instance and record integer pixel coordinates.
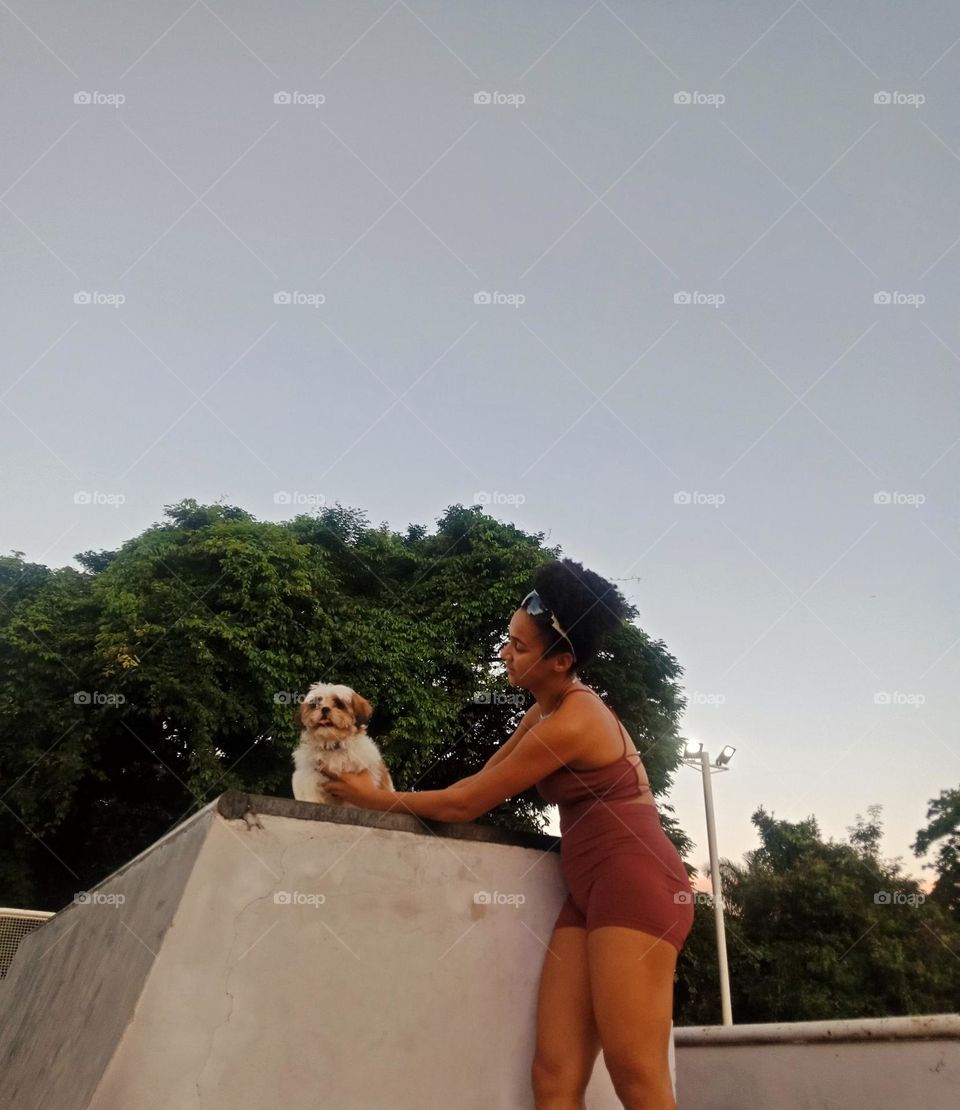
(675, 283)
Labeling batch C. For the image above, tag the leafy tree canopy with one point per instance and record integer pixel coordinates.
(943, 828)
(818, 930)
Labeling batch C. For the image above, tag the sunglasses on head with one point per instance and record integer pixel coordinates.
(534, 605)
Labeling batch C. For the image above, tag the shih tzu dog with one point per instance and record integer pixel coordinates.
(334, 732)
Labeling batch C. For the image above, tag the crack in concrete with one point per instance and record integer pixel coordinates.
(231, 961)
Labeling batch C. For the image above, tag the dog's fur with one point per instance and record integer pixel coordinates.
(333, 723)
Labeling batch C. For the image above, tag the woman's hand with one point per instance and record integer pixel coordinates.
(355, 787)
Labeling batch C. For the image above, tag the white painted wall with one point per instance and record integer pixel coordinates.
(380, 985)
(908, 1063)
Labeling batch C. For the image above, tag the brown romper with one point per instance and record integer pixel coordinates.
(620, 867)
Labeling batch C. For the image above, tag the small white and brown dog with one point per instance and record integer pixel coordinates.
(334, 732)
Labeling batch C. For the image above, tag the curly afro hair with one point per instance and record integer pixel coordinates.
(587, 606)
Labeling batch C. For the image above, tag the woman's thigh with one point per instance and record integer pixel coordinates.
(631, 977)
(568, 1041)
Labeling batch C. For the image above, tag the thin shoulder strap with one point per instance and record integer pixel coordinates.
(643, 785)
(574, 689)
(587, 690)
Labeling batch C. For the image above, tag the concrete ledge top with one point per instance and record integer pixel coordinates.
(235, 804)
(916, 1027)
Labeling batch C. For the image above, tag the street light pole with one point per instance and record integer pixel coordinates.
(700, 759)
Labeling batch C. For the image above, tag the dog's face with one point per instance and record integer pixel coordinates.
(331, 712)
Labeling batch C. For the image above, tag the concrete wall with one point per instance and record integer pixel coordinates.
(873, 1064)
(74, 982)
(305, 957)
(273, 953)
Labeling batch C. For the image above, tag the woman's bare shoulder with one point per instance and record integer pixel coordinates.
(583, 700)
(601, 729)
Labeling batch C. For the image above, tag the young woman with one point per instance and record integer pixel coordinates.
(607, 978)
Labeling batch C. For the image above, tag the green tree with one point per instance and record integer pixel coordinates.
(137, 689)
(943, 817)
(819, 930)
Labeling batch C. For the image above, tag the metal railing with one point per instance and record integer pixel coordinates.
(14, 926)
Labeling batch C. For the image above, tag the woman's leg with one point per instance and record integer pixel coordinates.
(631, 979)
(567, 1038)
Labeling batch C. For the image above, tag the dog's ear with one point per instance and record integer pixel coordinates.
(298, 713)
(362, 710)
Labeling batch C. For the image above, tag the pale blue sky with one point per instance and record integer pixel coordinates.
(585, 198)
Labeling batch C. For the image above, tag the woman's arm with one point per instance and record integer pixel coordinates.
(529, 718)
(547, 746)
(445, 805)
(436, 805)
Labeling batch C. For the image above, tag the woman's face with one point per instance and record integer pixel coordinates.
(522, 654)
